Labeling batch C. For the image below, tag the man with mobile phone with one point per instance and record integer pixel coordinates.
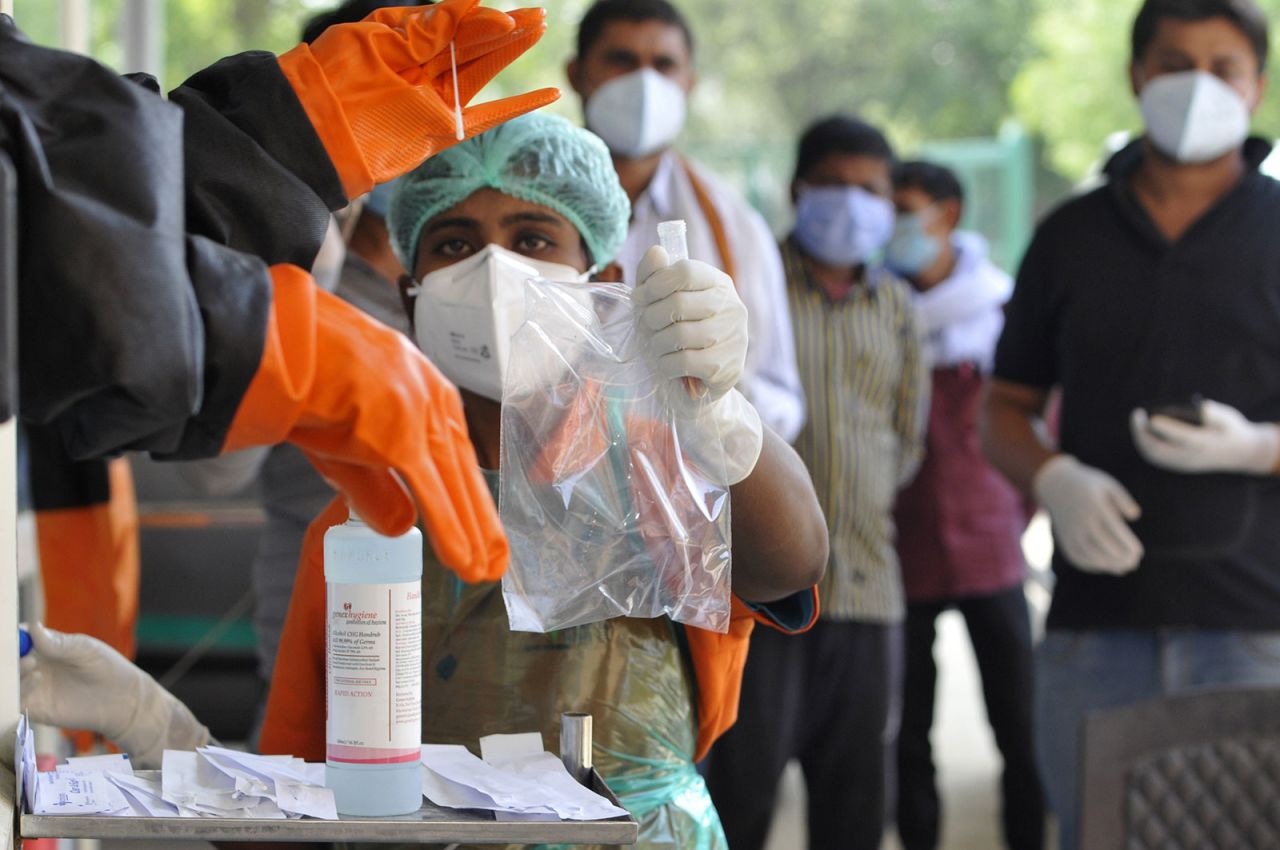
(1160, 284)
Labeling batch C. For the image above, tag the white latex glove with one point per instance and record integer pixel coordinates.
(694, 325)
(1227, 442)
(78, 682)
(1088, 509)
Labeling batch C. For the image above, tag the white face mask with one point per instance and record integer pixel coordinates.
(1193, 116)
(637, 114)
(464, 315)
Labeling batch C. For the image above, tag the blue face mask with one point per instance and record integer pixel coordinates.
(842, 225)
(911, 250)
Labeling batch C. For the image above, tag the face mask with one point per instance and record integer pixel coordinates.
(911, 249)
(637, 114)
(1193, 116)
(842, 225)
(464, 315)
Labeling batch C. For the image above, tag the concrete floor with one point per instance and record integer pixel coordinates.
(967, 760)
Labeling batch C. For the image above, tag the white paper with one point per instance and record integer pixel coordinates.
(535, 783)
(25, 763)
(144, 793)
(496, 749)
(77, 794)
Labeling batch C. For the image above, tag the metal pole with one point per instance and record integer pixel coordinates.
(73, 22)
(142, 34)
(575, 745)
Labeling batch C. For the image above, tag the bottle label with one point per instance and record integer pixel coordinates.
(373, 653)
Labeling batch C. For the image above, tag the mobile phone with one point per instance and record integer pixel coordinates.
(1183, 411)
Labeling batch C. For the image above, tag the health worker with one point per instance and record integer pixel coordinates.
(538, 196)
(634, 71)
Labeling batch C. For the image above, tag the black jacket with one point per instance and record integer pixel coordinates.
(145, 229)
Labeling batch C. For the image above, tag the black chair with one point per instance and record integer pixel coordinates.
(1194, 771)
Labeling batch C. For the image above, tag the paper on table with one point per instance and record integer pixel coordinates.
(495, 749)
(77, 794)
(145, 794)
(24, 763)
(525, 790)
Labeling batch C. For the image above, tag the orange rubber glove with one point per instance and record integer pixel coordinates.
(380, 92)
(371, 412)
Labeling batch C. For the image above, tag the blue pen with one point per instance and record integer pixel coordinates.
(24, 642)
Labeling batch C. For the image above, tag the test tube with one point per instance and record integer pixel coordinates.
(673, 237)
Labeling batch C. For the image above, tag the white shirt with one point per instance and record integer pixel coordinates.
(770, 381)
(961, 318)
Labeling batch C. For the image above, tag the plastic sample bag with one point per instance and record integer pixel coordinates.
(607, 513)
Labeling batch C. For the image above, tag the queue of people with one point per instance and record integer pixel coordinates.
(892, 386)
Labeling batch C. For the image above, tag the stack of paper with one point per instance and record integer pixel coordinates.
(515, 780)
(211, 782)
(216, 782)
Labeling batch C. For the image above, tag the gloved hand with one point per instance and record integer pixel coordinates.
(1227, 442)
(78, 682)
(380, 92)
(693, 324)
(370, 411)
(1088, 509)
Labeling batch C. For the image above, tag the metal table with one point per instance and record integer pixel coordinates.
(430, 825)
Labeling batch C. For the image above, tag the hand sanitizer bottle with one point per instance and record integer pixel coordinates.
(373, 669)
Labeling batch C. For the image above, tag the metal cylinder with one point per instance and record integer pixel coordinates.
(575, 745)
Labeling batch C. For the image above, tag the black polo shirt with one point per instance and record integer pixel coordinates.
(1119, 317)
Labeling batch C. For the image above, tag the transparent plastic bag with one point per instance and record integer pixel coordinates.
(607, 515)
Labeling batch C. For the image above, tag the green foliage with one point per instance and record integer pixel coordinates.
(1075, 91)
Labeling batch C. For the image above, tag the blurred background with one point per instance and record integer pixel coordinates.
(1021, 96)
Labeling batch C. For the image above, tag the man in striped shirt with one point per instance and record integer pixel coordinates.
(824, 697)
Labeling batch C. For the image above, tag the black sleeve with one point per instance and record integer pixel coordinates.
(1027, 353)
(258, 178)
(131, 335)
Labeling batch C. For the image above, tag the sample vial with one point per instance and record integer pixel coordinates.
(673, 237)
(373, 669)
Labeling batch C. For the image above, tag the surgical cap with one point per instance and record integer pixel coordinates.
(539, 158)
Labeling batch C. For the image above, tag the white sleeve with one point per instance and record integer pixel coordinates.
(772, 380)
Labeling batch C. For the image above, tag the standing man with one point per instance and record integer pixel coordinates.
(634, 72)
(959, 522)
(1139, 298)
(824, 697)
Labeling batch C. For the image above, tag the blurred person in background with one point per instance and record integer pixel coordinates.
(826, 697)
(959, 522)
(634, 71)
(1154, 303)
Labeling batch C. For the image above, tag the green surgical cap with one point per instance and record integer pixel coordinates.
(539, 158)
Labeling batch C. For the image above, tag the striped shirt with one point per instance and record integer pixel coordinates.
(867, 387)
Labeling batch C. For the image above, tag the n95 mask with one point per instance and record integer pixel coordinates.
(637, 114)
(464, 315)
(842, 225)
(1193, 116)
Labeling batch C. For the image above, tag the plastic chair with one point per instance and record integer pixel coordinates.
(1195, 770)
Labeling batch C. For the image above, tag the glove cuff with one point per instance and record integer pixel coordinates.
(278, 393)
(307, 79)
(1263, 459)
(724, 439)
(1043, 483)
